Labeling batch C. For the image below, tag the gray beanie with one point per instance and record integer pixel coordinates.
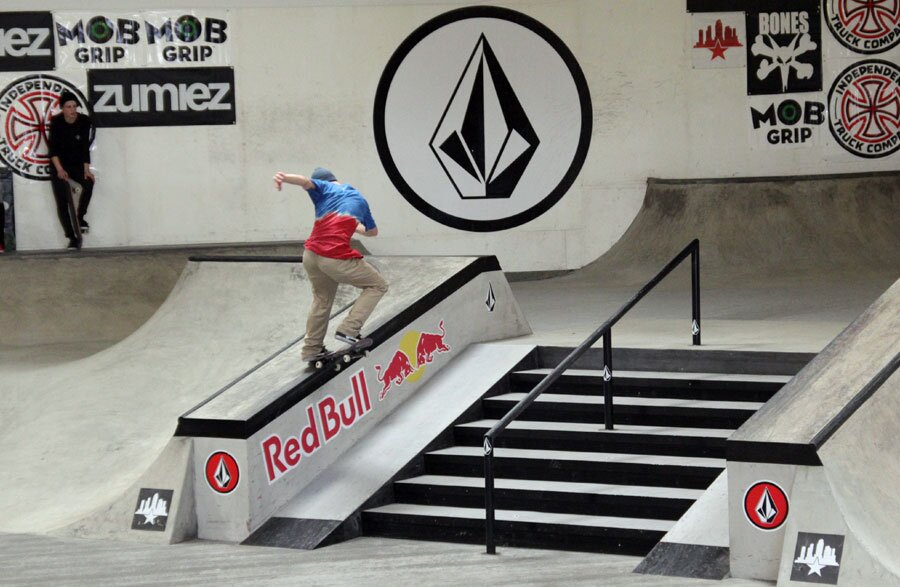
(323, 174)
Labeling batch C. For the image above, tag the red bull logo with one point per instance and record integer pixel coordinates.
(417, 349)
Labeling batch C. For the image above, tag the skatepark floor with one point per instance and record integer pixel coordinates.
(42, 560)
(773, 282)
(800, 316)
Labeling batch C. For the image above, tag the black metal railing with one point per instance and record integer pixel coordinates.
(605, 332)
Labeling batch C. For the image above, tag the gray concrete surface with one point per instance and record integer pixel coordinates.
(98, 422)
(40, 560)
(820, 391)
(59, 307)
(786, 266)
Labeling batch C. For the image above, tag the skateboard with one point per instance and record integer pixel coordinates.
(74, 192)
(337, 359)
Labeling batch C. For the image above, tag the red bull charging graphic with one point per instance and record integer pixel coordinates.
(408, 363)
(328, 417)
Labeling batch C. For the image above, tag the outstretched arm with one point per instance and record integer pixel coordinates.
(301, 180)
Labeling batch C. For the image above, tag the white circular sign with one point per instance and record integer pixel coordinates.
(483, 118)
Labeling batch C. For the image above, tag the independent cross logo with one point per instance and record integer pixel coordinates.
(864, 108)
(482, 119)
(864, 26)
(26, 106)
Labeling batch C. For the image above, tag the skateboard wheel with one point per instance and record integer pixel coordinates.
(337, 366)
(346, 358)
(319, 364)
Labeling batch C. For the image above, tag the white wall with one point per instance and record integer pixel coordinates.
(306, 80)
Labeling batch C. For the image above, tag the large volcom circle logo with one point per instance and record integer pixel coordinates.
(864, 108)
(482, 118)
(864, 26)
(26, 106)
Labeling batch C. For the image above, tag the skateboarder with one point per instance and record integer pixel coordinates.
(341, 212)
(71, 135)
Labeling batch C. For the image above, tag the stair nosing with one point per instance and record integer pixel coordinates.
(526, 516)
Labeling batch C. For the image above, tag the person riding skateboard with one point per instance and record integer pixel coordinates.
(341, 212)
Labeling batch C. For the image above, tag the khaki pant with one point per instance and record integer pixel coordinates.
(324, 276)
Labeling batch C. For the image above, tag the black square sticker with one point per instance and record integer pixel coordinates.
(152, 510)
(784, 47)
(817, 558)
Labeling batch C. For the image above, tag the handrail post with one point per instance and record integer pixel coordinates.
(607, 380)
(695, 293)
(489, 495)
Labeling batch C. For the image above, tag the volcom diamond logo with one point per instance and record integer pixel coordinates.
(766, 505)
(491, 300)
(766, 509)
(488, 449)
(484, 140)
(483, 118)
(222, 472)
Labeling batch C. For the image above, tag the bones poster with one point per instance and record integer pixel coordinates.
(784, 47)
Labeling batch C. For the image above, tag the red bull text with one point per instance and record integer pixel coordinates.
(325, 421)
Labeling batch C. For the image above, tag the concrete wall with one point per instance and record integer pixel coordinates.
(306, 78)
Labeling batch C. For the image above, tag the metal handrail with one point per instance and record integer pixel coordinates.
(604, 331)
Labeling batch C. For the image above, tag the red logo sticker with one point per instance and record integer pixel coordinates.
(222, 472)
(766, 505)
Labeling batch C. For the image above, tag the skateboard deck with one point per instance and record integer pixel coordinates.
(337, 359)
(74, 193)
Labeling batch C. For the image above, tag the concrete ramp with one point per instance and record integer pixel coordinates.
(813, 475)
(88, 445)
(264, 438)
(58, 307)
(786, 263)
(76, 435)
(765, 227)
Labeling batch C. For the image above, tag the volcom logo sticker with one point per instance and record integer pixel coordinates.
(766, 505)
(222, 472)
(482, 118)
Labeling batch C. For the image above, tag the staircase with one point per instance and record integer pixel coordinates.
(565, 482)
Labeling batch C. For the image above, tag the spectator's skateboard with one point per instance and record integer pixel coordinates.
(337, 359)
(76, 189)
(74, 194)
